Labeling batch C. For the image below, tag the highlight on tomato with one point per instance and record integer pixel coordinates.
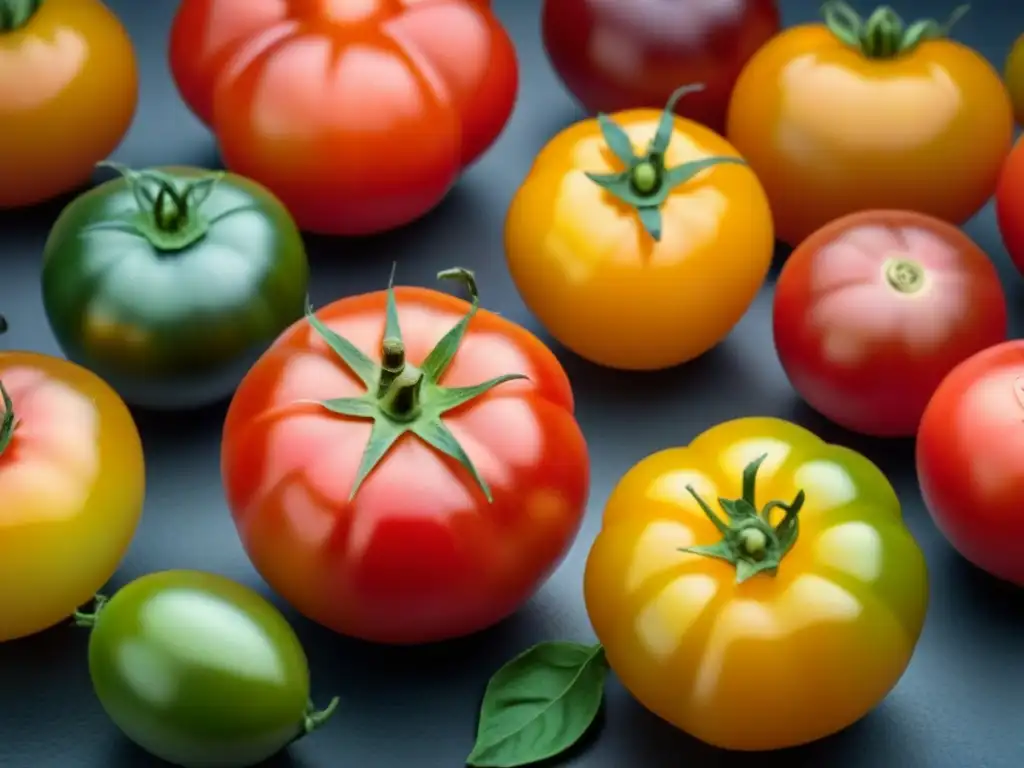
(757, 525)
(668, 44)
(293, 93)
(639, 239)
(67, 95)
(170, 282)
(1010, 205)
(227, 648)
(874, 309)
(72, 481)
(405, 467)
(864, 114)
(968, 459)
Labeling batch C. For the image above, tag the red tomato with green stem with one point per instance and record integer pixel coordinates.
(874, 309)
(404, 467)
(358, 116)
(1010, 204)
(614, 55)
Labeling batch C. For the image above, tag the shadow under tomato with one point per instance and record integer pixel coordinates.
(780, 255)
(33, 222)
(127, 754)
(990, 605)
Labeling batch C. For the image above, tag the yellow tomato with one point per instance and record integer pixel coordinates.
(857, 115)
(68, 92)
(790, 627)
(638, 253)
(1013, 74)
(71, 488)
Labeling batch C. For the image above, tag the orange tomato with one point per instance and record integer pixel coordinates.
(637, 256)
(1013, 74)
(71, 482)
(853, 115)
(68, 94)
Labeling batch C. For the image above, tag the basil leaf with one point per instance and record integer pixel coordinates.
(539, 704)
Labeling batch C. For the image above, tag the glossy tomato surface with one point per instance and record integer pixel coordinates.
(178, 659)
(358, 115)
(874, 309)
(418, 553)
(1010, 205)
(832, 129)
(620, 54)
(68, 91)
(740, 661)
(71, 488)
(969, 465)
(1013, 74)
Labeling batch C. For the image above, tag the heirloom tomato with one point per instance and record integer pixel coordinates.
(67, 95)
(72, 482)
(1010, 205)
(620, 54)
(360, 116)
(170, 282)
(855, 115)
(178, 658)
(1013, 74)
(640, 239)
(969, 449)
(874, 309)
(405, 468)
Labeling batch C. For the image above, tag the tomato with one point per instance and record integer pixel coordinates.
(851, 115)
(640, 239)
(292, 90)
(968, 459)
(171, 282)
(620, 54)
(178, 658)
(874, 309)
(1010, 205)
(418, 498)
(1013, 73)
(67, 96)
(72, 482)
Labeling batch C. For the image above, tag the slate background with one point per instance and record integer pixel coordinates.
(959, 705)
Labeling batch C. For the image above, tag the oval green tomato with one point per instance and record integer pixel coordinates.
(170, 282)
(200, 671)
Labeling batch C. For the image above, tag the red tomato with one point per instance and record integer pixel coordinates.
(385, 502)
(874, 309)
(1010, 204)
(360, 116)
(615, 55)
(969, 450)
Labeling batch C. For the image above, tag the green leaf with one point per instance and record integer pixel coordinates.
(650, 218)
(443, 353)
(608, 179)
(383, 435)
(539, 704)
(683, 173)
(360, 407)
(448, 398)
(392, 330)
(750, 479)
(436, 434)
(362, 366)
(659, 144)
(199, 191)
(618, 140)
(737, 509)
(720, 550)
(915, 34)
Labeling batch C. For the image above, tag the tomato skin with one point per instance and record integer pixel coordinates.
(810, 114)
(574, 251)
(67, 97)
(222, 647)
(968, 459)
(1013, 74)
(1010, 205)
(865, 353)
(418, 554)
(843, 613)
(284, 86)
(72, 482)
(669, 45)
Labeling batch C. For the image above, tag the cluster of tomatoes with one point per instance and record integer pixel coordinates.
(404, 466)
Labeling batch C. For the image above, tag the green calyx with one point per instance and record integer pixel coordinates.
(401, 397)
(88, 618)
(884, 35)
(749, 540)
(8, 422)
(15, 14)
(645, 182)
(169, 215)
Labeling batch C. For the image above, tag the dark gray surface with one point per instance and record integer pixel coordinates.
(959, 706)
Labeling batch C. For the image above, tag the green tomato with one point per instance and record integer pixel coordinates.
(199, 670)
(169, 283)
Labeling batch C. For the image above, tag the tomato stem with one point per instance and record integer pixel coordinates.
(9, 422)
(15, 14)
(87, 619)
(315, 718)
(905, 275)
(884, 35)
(401, 401)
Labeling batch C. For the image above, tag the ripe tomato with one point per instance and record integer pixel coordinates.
(1013, 74)
(1010, 205)
(226, 648)
(850, 115)
(293, 92)
(874, 309)
(640, 239)
(620, 54)
(71, 484)
(418, 499)
(67, 95)
(969, 465)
